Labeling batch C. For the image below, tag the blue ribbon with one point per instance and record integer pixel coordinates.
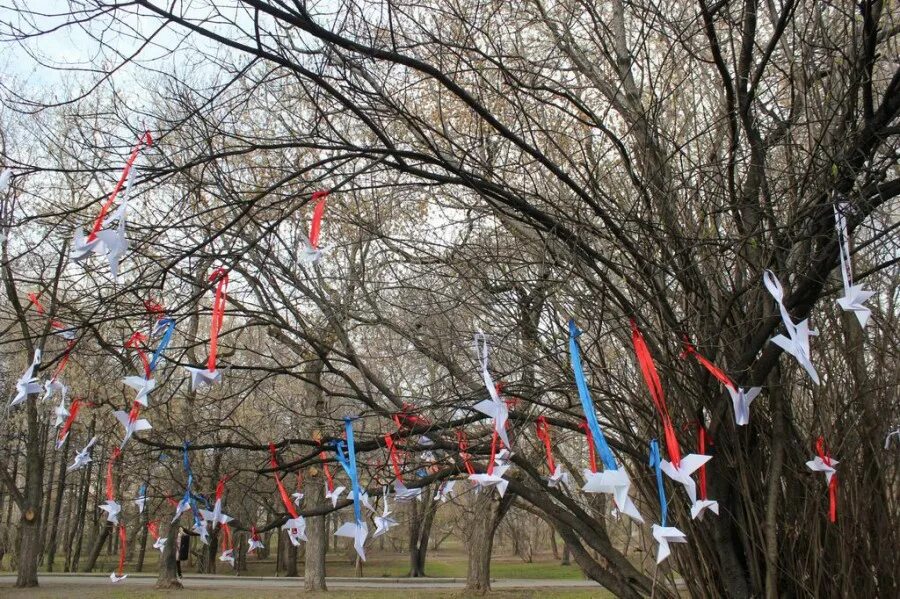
(587, 404)
(143, 490)
(348, 463)
(163, 343)
(654, 463)
(189, 497)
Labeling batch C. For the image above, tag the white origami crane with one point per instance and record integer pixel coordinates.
(615, 483)
(333, 495)
(358, 531)
(384, 522)
(296, 528)
(495, 479)
(366, 503)
(131, 423)
(183, 506)
(309, 254)
(445, 492)
(201, 531)
(140, 502)
(665, 535)
(559, 477)
(83, 457)
(797, 341)
(115, 578)
(494, 407)
(227, 556)
(160, 543)
(405, 494)
(112, 243)
(62, 412)
(255, 543)
(142, 386)
(202, 376)
(818, 465)
(215, 516)
(742, 400)
(682, 474)
(855, 296)
(28, 384)
(52, 387)
(701, 505)
(297, 496)
(112, 509)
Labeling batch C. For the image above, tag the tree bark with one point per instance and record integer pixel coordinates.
(167, 577)
(488, 513)
(314, 564)
(57, 507)
(98, 547)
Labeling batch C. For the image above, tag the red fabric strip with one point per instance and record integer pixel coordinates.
(122, 542)
(154, 307)
(153, 528)
(651, 377)
(73, 412)
(494, 437)
(226, 537)
(328, 478)
(35, 299)
(701, 449)
(592, 451)
(218, 315)
(134, 342)
(65, 360)
(464, 451)
(316, 226)
(98, 224)
(712, 368)
(543, 434)
(110, 491)
(285, 498)
(395, 459)
(833, 483)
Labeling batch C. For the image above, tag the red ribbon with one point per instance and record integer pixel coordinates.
(299, 481)
(328, 478)
(35, 299)
(110, 492)
(543, 434)
(122, 541)
(592, 451)
(690, 350)
(172, 501)
(316, 226)
(226, 537)
(218, 315)
(494, 437)
(65, 360)
(154, 307)
(73, 412)
(285, 498)
(134, 342)
(833, 483)
(406, 419)
(98, 224)
(153, 527)
(135, 412)
(651, 377)
(220, 487)
(464, 451)
(395, 459)
(701, 449)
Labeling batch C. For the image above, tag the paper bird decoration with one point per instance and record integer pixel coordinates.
(796, 342)
(740, 398)
(679, 468)
(112, 243)
(83, 457)
(356, 530)
(331, 492)
(158, 541)
(28, 384)
(131, 423)
(297, 495)
(384, 522)
(558, 476)
(445, 491)
(661, 532)
(119, 574)
(493, 477)
(404, 494)
(494, 407)
(295, 525)
(613, 480)
(311, 252)
(209, 375)
(141, 498)
(254, 541)
(62, 413)
(824, 463)
(704, 503)
(53, 387)
(216, 516)
(227, 555)
(111, 506)
(855, 296)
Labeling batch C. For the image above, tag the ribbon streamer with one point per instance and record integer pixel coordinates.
(651, 377)
(329, 479)
(690, 350)
(65, 360)
(110, 491)
(395, 459)
(153, 528)
(98, 223)
(587, 404)
(218, 315)
(316, 226)
(122, 550)
(285, 498)
(64, 431)
(840, 223)
(134, 342)
(592, 450)
(348, 463)
(169, 323)
(543, 434)
(463, 444)
(226, 538)
(660, 488)
(701, 449)
(825, 456)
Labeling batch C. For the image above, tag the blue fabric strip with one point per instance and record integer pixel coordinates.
(163, 343)
(587, 404)
(654, 463)
(354, 479)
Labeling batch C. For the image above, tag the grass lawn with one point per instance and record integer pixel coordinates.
(104, 591)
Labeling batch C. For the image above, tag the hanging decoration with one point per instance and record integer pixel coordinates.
(311, 251)
(740, 398)
(295, 525)
(28, 384)
(704, 503)
(855, 296)
(613, 480)
(679, 468)
(824, 463)
(404, 493)
(119, 574)
(227, 554)
(663, 533)
(209, 375)
(141, 498)
(159, 542)
(131, 423)
(254, 541)
(67, 425)
(217, 516)
(111, 506)
(356, 530)
(384, 522)
(797, 341)
(558, 476)
(83, 457)
(494, 406)
(331, 492)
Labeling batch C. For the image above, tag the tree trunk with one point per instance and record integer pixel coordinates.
(98, 546)
(30, 524)
(290, 560)
(142, 543)
(314, 564)
(488, 513)
(57, 507)
(418, 543)
(566, 556)
(168, 575)
(554, 548)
